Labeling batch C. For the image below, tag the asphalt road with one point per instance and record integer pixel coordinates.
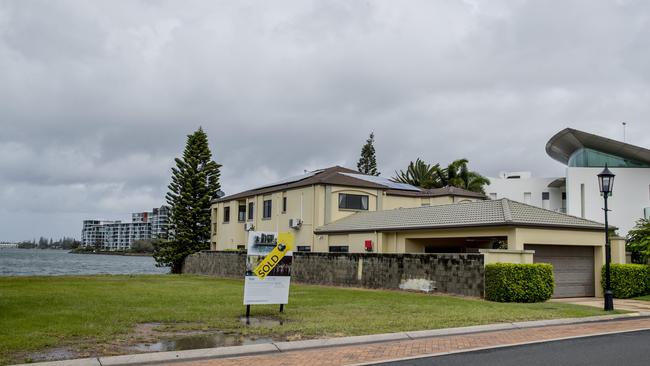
(623, 349)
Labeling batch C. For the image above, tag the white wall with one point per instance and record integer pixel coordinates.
(631, 195)
(515, 190)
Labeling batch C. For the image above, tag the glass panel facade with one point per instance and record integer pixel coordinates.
(585, 158)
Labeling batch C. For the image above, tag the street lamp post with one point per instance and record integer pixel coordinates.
(606, 183)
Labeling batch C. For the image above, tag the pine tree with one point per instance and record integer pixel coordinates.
(195, 182)
(368, 162)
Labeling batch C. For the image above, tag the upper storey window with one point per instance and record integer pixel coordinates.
(353, 201)
(585, 158)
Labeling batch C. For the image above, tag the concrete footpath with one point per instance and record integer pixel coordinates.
(381, 347)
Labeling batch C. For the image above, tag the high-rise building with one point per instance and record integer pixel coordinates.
(117, 235)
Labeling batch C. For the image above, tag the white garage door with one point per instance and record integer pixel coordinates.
(573, 268)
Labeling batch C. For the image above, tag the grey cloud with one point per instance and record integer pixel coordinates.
(96, 98)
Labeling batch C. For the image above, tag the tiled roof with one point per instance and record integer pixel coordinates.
(341, 176)
(503, 212)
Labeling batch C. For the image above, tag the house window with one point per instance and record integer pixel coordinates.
(284, 204)
(226, 214)
(303, 248)
(267, 209)
(493, 196)
(251, 210)
(339, 249)
(353, 201)
(527, 196)
(241, 212)
(546, 200)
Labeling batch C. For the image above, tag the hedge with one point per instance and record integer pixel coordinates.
(509, 282)
(628, 280)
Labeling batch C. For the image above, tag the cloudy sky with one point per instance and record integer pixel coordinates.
(96, 97)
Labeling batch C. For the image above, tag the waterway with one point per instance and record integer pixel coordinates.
(49, 262)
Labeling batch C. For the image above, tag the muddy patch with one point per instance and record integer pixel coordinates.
(156, 337)
(50, 354)
(261, 322)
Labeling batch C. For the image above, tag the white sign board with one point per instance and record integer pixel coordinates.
(273, 288)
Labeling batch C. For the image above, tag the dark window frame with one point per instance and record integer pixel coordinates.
(339, 249)
(303, 248)
(251, 211)
(267, 209)
(284, 204)
(347, 201)
(226, 214)
(546, 196)
(241, 214)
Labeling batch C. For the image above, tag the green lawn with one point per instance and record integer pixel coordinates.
(42, 312)
(645, 298)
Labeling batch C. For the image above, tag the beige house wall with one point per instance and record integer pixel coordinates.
(555, 237)
(301, 204)
(507, 256)
(316, 205)
(618, 250)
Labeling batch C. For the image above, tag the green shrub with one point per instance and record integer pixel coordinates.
(509, 282)
(628, 280)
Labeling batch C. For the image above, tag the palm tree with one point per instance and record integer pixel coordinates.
(456, 174)
(420, 174)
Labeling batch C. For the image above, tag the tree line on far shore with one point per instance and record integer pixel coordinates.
(44, 243)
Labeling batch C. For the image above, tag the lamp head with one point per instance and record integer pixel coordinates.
(606, 181)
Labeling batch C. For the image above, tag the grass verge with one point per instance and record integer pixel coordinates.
(44, 312)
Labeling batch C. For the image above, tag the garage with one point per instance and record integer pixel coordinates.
(573, 268)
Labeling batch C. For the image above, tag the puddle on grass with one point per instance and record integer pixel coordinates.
(260, 322)
(51, 355)
(197, 341)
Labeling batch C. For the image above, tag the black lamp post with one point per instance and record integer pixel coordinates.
(606, 183)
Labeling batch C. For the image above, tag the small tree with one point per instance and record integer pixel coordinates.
(638, 240)
(142, 246)
(368, 162)
(195, 182)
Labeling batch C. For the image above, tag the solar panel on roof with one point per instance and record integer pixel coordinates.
(384, 182)
(295, 178)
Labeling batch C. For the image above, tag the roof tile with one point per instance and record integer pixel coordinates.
(479, 213)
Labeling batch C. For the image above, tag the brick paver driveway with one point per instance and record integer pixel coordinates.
(348, 355)
(619, 304)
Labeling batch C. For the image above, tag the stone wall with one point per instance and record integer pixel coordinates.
(461, 274)
(212, 263)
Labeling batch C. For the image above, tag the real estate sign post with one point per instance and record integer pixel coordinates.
(268, 269)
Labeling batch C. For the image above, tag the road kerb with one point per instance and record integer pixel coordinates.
(276, 347)
(495, 347)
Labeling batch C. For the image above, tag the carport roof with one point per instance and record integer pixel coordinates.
(502, 212)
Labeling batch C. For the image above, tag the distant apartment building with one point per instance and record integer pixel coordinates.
(118, 235)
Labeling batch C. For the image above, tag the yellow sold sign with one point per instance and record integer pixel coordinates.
(285, 244)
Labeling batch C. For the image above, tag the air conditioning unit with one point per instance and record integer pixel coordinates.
(295, 223)
(249, 226)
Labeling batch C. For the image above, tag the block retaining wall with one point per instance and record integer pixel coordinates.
(461, 274)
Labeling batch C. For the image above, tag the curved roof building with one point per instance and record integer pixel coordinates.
(576, 148)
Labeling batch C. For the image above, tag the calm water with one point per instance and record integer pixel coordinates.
(44, 262)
